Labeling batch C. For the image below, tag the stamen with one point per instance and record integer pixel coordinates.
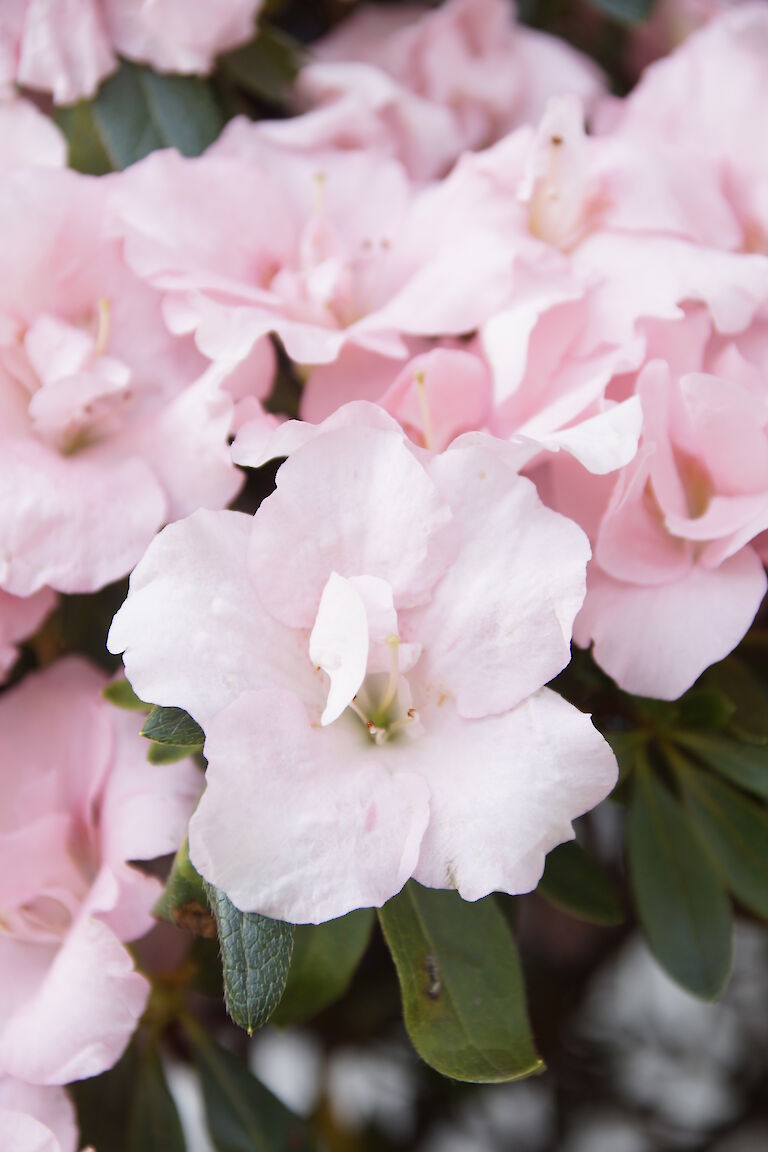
(104, 326)
(393, 643)
(426, 419)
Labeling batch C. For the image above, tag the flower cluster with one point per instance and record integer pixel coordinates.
(530, 322)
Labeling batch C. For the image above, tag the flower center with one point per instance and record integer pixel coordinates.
(383, 703)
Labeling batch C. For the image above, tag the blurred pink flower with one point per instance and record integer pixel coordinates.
(20, 618)
(109, 425)
(79, 800)
(36, 1119)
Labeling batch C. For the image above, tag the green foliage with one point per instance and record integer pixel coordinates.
(626, 11)
(575, 882)
(135, 112)
(173, 726)
(154, 1124)
(255, 957)
(103, 1104)
(680, 898)
(266, 67)
(242, 1115)
(461, 985)
(742, 764)
(734, 829)
(184, 901)
(120, 693)
(325, 958)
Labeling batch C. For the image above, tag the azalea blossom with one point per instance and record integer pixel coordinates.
(80, 801)
(370, 682)
(20, 618)
(676, 578)
(343, 250)
(36, 1119)
(67, 47)
(100, 406)
(426, 84)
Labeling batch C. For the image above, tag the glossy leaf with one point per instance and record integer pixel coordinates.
(169, 753)
(120, 693)
(173, 726)
(154, 1124)
(680, 898)
(255, 958)
(266, 67)
(742, 764)
(135, 112)
(242, 1115)
(184, 901)
(325, 958)
(705, 709)
(461, 985)
(576, 883)
(735, 830)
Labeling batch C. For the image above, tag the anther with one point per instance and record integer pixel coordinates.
(426, 419)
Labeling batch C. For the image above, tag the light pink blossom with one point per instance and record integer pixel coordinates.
(20, 618)
(426, 84)
(79, 800)
(28, 138)
(101, 408)
(373, 645)
(35, 1118)
(343, 250)
(67, 47)
(675, 582)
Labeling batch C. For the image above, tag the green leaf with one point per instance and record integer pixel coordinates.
(103, 1104)
(734, 678)
(680, 898)
(173, 726)
(168, 753)
(266, 67)
(255, 957)
(627, 11)
(325, 958)
(135, 112)
(742, 764)
(120, 693)
(184, 901)
(734, 829)
(154, 1124)
(575, 882)
(242, 1115)
(705, 708)
(461, 985)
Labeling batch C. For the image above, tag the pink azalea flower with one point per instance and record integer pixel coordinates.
(101, 408)
(426, 84)
(67, 47)
(342, 251)
(675, 581)
(20, 618)
(372, 691)
(701, 101)
(28, 138)
(79, 801)
(36, 1119)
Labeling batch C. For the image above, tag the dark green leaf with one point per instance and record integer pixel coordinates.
(742, 764)
(575, 882)
(168, 753)
(627, 11)
(734, 678)
(173, 726)
(184, 901)
(680, 898)
(255, 957)
(266, 67)
(103, 1105)
(120, 693)
(705, 708)
(325, 958)
(135, 112)
(461, 985)
(154, 1123)
(734, 829)
(242, 1115)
